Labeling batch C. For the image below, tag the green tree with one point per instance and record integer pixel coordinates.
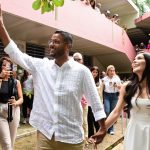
(47, 5)
(148, 3)
(143, 5)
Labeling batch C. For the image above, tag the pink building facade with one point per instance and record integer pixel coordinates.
(93, 33)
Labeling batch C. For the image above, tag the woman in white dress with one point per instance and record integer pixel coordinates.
(136, 94)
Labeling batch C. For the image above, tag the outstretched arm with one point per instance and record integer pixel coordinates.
(27, 62)
(4, 36)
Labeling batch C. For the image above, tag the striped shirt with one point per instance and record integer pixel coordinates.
(57, 94)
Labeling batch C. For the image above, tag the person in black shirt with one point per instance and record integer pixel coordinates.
(8, 129)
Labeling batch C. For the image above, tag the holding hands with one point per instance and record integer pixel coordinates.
(98, 137)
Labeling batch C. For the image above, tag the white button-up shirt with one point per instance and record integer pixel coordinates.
(57, 94)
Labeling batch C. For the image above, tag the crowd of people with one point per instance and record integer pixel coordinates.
(93, 4)
(97, 7)
(114, 18)
(108, 85)
(72, 104)
(59, 85)
(142, 46)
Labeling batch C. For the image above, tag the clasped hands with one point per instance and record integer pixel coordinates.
(98, 137)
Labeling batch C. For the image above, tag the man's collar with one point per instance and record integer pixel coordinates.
(68, 63)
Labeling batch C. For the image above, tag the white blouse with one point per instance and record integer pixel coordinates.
(110, 84)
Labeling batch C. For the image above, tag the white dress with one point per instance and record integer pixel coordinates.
(138, 132)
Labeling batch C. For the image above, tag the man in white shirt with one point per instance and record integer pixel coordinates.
(58, 87)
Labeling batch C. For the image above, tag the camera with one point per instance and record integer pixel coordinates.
(11, 67)
(8, 67)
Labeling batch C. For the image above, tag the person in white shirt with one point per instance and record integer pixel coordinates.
(28, 92)
(58, 88)
(112, 84)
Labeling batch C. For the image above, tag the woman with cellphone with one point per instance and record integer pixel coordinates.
(8, 126)
(112, 84)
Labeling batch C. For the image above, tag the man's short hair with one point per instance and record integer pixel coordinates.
(67, 37)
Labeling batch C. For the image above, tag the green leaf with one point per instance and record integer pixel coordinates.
(58, 3)
(47, 5)
(44, 6)
(48, 8)
(52, 6)
(36, 4)
(42, 10)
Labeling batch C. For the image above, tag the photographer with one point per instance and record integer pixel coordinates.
(8, 127)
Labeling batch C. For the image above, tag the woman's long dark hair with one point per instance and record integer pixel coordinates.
(24, 77)
(134, 83)
(93, 5)
(98, 75)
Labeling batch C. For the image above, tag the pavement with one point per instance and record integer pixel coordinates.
(110, 142)
(119, 146)
(25, 130)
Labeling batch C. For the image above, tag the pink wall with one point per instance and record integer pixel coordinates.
(146, 50)
(141, 18)
(78, 19)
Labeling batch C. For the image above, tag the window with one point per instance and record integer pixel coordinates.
(2, 53)
(35, 50)
(88, 61)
